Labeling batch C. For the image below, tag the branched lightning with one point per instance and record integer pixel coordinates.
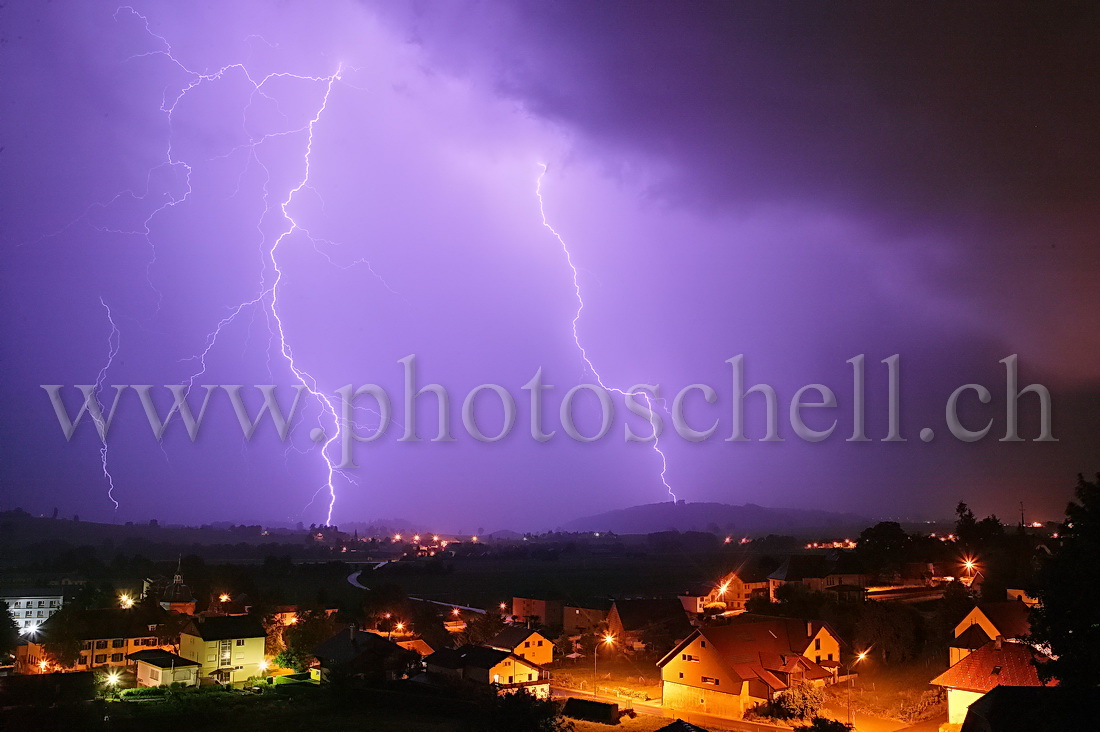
(113, 341)
(271, 275)
(580, 346)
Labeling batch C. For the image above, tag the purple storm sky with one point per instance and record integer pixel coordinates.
(799, 183)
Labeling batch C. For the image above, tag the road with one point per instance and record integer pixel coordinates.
(353, 580)
(656, 710)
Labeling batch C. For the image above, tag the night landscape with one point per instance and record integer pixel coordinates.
(549, 365)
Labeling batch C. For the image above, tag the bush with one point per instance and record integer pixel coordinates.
(796, 702)
(143, 691)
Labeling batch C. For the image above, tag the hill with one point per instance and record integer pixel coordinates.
(722, 518)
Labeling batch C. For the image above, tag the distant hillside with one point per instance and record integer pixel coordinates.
(746, 520)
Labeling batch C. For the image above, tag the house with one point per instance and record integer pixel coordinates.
(177, 597)
(539, 611)
(583, 617)
(229, 648)
(364, 655)
(484, 666)
(525, 643)
(818, 572)
(107, 636)
(997, 663)
(988, 621)
(635, 622)
(158, 667)
(726, 670)
(731, 592)
(30, 608)
(1033, 708)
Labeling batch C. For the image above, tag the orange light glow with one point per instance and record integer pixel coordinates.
(224, 597)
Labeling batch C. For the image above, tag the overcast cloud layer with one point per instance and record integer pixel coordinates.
(796, 183)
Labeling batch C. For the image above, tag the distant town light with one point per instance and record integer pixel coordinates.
(416, 537)
(435, 538)
(455, 611)
(729, 539)
(473, 539)
(397, 537)
(125, 601)
(503, 606)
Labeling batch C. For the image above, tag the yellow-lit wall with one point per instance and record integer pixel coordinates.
(958, 701)
(247, 656)
(535, 653)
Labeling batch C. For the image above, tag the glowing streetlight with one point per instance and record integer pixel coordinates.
(224, 597)
(400, 627)
(263, 665)
(608, 640)
(473, 539)
(42, 666)
(503, 606)
(723, 589)
(435, 538)
(125, 601)
(416, 538)
(455, 611)
(397, 537)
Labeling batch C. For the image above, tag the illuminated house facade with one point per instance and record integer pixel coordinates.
(729, 669)
(228, 648)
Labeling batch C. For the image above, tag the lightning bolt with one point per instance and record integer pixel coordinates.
(113, 341)
(580, 346)
(267, 295)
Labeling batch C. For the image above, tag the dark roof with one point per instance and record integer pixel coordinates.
(1011, 617)
(1034, 708)
(991, 666)
(104, 623)
(798, 567)
(13, 592)
(45, 690)
(681, 726)
(595, 711)
(177, 592)
(162, 659)
(636, 615)
(349, 645)
(225, 627)
(511, 637)
(472, 657)
(972, 638)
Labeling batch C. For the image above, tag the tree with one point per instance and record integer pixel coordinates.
(1067, 586)
(63, 637)
(799, 701)
(965, 523)
(9, 631)
(521, 710)
(889, 629)
(481, 628)
(883, 546)
(313, 628)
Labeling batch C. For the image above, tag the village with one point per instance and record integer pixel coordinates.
(888, 630)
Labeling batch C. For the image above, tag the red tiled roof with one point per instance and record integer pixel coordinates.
(758, 647)
(990, 666)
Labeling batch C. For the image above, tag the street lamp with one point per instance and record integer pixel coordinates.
(859, 657)
(125, 601)
(608, 640)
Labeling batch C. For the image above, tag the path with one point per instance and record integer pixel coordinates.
(353, 580)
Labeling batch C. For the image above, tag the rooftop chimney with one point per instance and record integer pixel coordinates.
(998, 642)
